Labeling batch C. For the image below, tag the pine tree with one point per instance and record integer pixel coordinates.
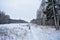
(51, 12)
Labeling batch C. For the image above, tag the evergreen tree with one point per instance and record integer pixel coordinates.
(51, 12)
(4, 18)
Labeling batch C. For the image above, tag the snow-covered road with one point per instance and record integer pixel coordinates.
(23, 32)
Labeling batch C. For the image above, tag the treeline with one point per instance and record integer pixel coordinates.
(5, 19)
(45, 14)
(17, 21)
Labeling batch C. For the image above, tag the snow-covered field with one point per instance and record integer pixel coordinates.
(27, 31)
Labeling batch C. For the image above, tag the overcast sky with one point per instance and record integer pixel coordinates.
(20, 9)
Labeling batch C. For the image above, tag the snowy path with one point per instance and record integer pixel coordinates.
(22, 32)
(43, 33)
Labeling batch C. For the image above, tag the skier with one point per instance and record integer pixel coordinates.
(29, 26)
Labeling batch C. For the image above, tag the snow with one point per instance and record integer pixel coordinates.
(21, 31)
(41, 33)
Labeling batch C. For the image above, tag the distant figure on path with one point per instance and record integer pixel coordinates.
(29, 26)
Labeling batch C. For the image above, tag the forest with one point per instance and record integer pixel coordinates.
(5, 19)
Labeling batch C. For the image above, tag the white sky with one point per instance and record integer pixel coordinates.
(20, 9)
